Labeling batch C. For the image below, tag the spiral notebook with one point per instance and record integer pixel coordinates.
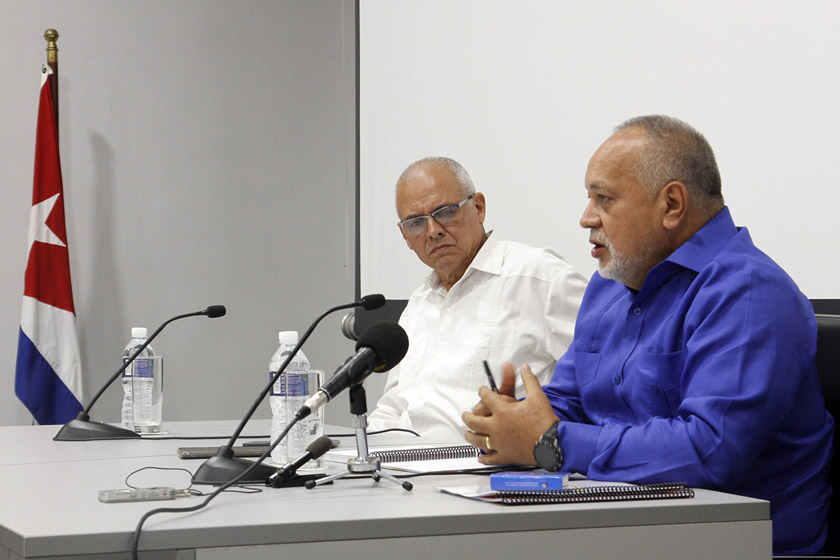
(611, 493)
(658, 491)
(418, 458)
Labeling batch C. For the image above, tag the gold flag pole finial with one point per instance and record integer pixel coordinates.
(51, 36)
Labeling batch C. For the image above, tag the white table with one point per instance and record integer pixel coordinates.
(49, 509)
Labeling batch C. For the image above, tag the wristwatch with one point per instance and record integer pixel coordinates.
(547, 451)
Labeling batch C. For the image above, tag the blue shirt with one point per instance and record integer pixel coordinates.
(704, 376)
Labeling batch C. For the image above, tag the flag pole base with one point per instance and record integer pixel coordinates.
(83, 430)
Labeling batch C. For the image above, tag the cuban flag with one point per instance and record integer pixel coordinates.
(48, 376)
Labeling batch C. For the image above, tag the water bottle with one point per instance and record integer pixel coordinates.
(138, 408)
(279, 420)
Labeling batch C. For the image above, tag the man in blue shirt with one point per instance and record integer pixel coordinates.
(693, 354)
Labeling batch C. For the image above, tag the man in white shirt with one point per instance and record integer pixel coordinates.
(485, 299)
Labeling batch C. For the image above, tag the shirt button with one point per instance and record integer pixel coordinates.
(617, 379)
(637, 311)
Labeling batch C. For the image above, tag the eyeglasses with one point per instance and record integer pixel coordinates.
(444, 216)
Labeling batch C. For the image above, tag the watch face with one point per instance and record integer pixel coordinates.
(547, 452)
(545, 456)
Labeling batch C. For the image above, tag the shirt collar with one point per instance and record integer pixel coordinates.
(706, 243)
(692, 255)
(489, 259)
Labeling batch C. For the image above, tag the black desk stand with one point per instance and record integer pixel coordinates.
(364, 462)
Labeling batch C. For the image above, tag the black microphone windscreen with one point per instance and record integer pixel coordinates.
(388, 340)
(319, 446)
(215, 311)
(372, 301)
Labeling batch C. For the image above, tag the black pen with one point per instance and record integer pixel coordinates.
(490, 379)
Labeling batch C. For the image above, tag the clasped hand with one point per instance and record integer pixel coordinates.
(505, 428)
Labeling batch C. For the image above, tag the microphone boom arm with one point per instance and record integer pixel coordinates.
(223, 466)
(128, 362)
(81, 428)
(281, 369)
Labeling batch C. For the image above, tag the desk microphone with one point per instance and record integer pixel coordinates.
(81, 428)
(289, 471)
(224, 467)
(381, 346)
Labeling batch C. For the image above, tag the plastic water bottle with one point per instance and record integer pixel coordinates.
(137, 383)
(279, 420)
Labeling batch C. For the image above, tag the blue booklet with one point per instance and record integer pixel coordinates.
(528, 480)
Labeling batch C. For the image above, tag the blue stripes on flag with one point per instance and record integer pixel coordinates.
(39, 388)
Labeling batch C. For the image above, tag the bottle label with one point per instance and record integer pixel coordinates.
(142, 367)
(127, 371)
(293, 384)
(297, 384)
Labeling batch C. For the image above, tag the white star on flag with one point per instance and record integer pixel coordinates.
(38, 229)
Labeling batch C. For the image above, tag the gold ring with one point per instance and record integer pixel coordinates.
(487, 444)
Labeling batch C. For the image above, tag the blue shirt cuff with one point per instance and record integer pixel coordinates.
(578, 444)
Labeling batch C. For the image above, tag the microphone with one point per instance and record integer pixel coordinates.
(223, 466)
(214, 311)
(371, 301)
(81, 428)
(381, 346)
(288, 472)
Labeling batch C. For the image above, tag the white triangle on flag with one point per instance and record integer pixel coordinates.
(38, 229)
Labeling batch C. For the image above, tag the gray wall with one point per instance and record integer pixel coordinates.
(208, 153)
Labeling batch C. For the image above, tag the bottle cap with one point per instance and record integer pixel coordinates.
(138, 332)
(289, 338)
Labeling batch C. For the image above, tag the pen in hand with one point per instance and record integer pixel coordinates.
(490, 380)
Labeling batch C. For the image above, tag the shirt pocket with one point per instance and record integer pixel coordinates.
(488, 338)
(586, 366)
(494, 344)
(657, 390)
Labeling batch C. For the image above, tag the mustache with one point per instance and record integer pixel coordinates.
(596, 236)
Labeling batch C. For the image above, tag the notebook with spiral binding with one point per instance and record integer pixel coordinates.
(441, 453)
(657, 491)
(419, 458)
(611, 493)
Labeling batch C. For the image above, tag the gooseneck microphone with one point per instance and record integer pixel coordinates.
(81, 428)
(381, 346)
(287, 472)
(223, 466)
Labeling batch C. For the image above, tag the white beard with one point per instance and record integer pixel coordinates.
(625, 268)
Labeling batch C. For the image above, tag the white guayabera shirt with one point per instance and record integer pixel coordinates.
(515, 303)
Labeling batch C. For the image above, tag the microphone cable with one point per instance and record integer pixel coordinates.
(136, 538)
(210, 497)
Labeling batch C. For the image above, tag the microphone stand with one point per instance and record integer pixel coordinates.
(81, 428)
(223, 466)
(364, 462)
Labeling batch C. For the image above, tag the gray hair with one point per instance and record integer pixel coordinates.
(677, 152)
(461, 175)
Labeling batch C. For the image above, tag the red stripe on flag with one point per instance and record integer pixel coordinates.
(48, 276)
(48, 269)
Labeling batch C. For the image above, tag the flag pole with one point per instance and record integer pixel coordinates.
(51, 36)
